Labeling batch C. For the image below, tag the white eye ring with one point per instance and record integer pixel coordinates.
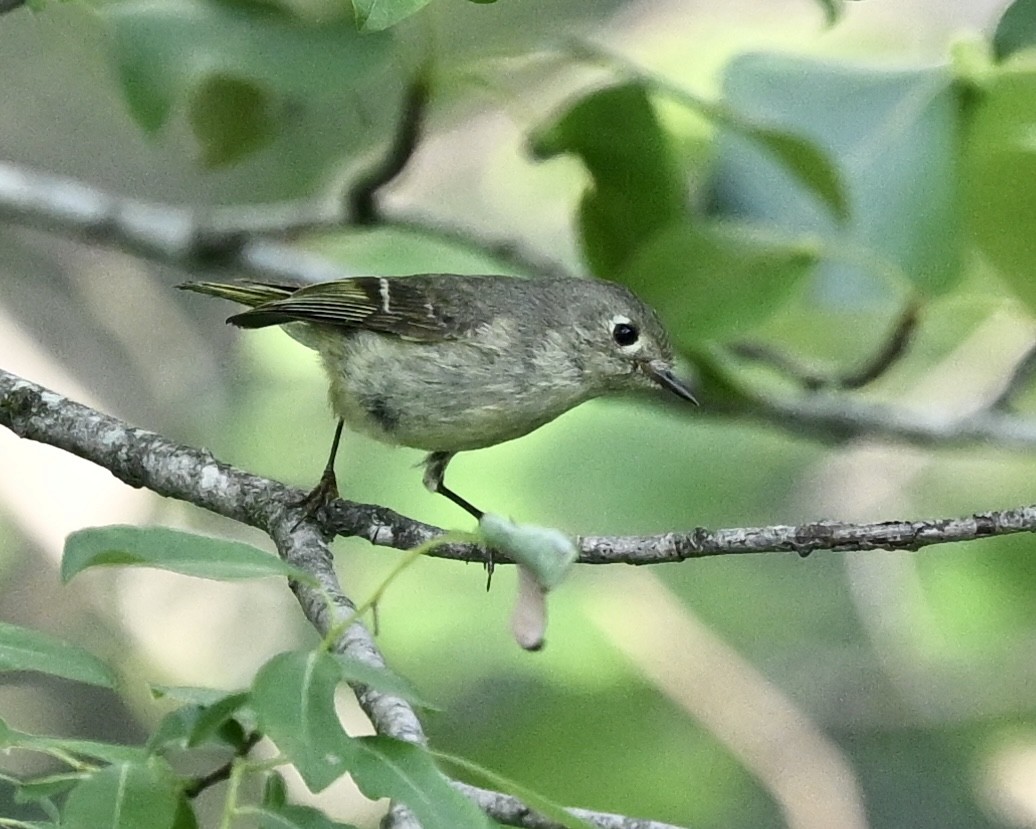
(625, 334)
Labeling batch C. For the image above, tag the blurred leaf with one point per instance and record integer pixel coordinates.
(108, 752)
(804, 160)
(534, 800)
(190, 694)
(1000, 167)
(375, 15)
(294, 698)
(832, 10)
(166, 549)
(1016, 29)
(710, 281)
(230, 117)
(192, 724)
(46, 787)
(185, 817)
(168, 50)
(380, 677)
(406, 772)
(637, 187)
(292, 816)
(22, 649)
(893, 135)
(800, 157)
(125, 796)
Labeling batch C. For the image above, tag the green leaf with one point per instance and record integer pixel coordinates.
(1016, 29)
(894, 135)
(231, 117)
(391, 768)
(185, 817)
(166, 50)
(194, 724)
(376, 15)
(190, 694)
(535, 801)
(294, 699)
(125, 796)
(636, 184)
(381, 678)
(293, 816)
(805, 161)
(107, 752)
(166, 549)
(49, 786)
(22, 649)
(1000, 166)
(713, 281)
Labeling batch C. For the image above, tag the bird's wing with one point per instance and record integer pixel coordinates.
(403, 306)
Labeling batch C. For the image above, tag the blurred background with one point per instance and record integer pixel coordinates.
(850, 690)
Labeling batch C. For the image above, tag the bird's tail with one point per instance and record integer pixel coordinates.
(247, 293)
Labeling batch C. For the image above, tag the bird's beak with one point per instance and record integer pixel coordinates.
(663, 375)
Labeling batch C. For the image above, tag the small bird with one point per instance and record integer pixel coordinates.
(449, 363)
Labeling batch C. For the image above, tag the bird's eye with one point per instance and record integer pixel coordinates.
(625, 334)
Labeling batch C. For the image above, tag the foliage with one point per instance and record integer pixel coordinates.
(809, 197)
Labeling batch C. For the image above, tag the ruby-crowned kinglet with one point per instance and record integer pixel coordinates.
(448, 363)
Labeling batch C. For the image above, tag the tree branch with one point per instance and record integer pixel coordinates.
(144, 459)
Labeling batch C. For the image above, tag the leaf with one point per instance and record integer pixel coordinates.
(193, 724)
(166, 549)
(292, 816)
(391, 768)
(636, 184)
(803, 159)
(231, 117)
(535, 801)
(125, 796)
(381, 678)
(294, 699)
(894, 136)
(999, 168)
(713, 281)
(1016, 29)
(376, 15)
(22, 649)
(166, 50)
(49, 786)
(108, 752)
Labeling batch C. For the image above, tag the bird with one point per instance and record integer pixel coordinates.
(449, 363)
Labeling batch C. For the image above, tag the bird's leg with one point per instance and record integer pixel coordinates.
(326, 489)
(434, 471)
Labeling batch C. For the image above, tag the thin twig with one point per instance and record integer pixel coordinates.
(1020, 380)
(218, 775)
(362, 196)
(890, 352)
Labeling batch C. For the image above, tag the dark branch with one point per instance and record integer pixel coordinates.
(1020, 380)
(10, 5)
(894, 347)
(218, 775)
(362, 195)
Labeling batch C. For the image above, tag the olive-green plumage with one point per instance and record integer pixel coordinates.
(449, 363)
